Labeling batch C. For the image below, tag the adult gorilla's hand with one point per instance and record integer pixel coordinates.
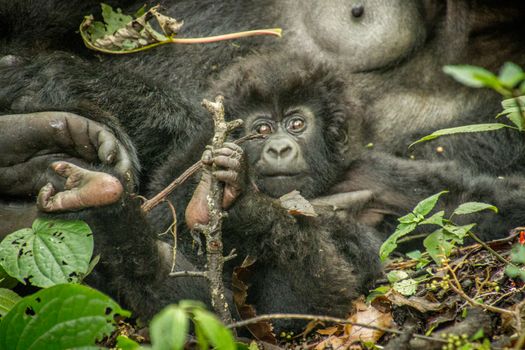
(358, 206)
(29, 143)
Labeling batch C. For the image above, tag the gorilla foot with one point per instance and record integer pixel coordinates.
(83, 189)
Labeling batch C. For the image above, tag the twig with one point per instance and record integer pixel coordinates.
(269, 317)
(520, 342)
(212, 231)
(173, 230)
(189, 274)
(457, 288)
(158, 198)
(153, 202)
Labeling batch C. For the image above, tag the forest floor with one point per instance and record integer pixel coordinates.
(468, 302)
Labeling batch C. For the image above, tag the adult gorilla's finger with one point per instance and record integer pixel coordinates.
(111, 152)
(107, 147)
(345, 200)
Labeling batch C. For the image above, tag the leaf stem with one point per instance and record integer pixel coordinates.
(202, 40)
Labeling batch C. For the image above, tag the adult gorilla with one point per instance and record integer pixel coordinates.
(133, 114)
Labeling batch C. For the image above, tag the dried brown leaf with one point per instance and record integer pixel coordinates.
(263, 330)
(418, 303)
(367, 315)
(297, 205)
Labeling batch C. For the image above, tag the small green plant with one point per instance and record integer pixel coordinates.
(464, 342)
(49, 253)
(517, 258)
(56, 255)
(440, 242)
(510, 83)
(169, 329)
(64, 316)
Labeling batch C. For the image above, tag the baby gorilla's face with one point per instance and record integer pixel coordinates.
(290, 156)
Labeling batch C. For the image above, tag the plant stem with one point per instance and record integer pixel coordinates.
(488, 248)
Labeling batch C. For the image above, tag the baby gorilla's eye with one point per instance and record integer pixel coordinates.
(296, 124)
(264, 128)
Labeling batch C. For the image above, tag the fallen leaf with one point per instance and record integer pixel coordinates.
(367, 315)
(296, 204)
(418, 303)
(338, 343)
(329, 331)
(263, 330)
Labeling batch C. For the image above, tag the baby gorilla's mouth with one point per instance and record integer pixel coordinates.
(281, 175)
(281, 183)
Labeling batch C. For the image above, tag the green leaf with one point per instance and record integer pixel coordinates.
(436, 219)
(140, 12)
(189, 305)
(515, 272)
(114, 20)
(214, 331)
(201, 338)
(514, 109)
(396, 275)
(422, 263)
(381, 290)
(52, 252)
(514, 102)
(406, 287)
(414, 255)
(510, 75)
(517, 254)
(61, 317)
(458, 232)
(390, 244)
(408, 219)
(517, 119)
(462, 130)
(253, 346)
(418, 256)
(96, 31)
(478, 335)
(8, 299)
(472, 76)
(125, 343)
(437, 246)
(169, 328)
(474, 207)
(6, 281)
(426, 205)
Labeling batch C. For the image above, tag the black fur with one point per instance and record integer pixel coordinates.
(151, 102)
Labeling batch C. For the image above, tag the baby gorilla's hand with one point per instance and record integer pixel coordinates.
(229, 162)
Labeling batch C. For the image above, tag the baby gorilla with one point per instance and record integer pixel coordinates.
(314, 142)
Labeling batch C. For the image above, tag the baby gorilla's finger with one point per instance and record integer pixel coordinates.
(233, 147)
(230, 150)
(227, 162)
(229, 177)
(207, 157)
